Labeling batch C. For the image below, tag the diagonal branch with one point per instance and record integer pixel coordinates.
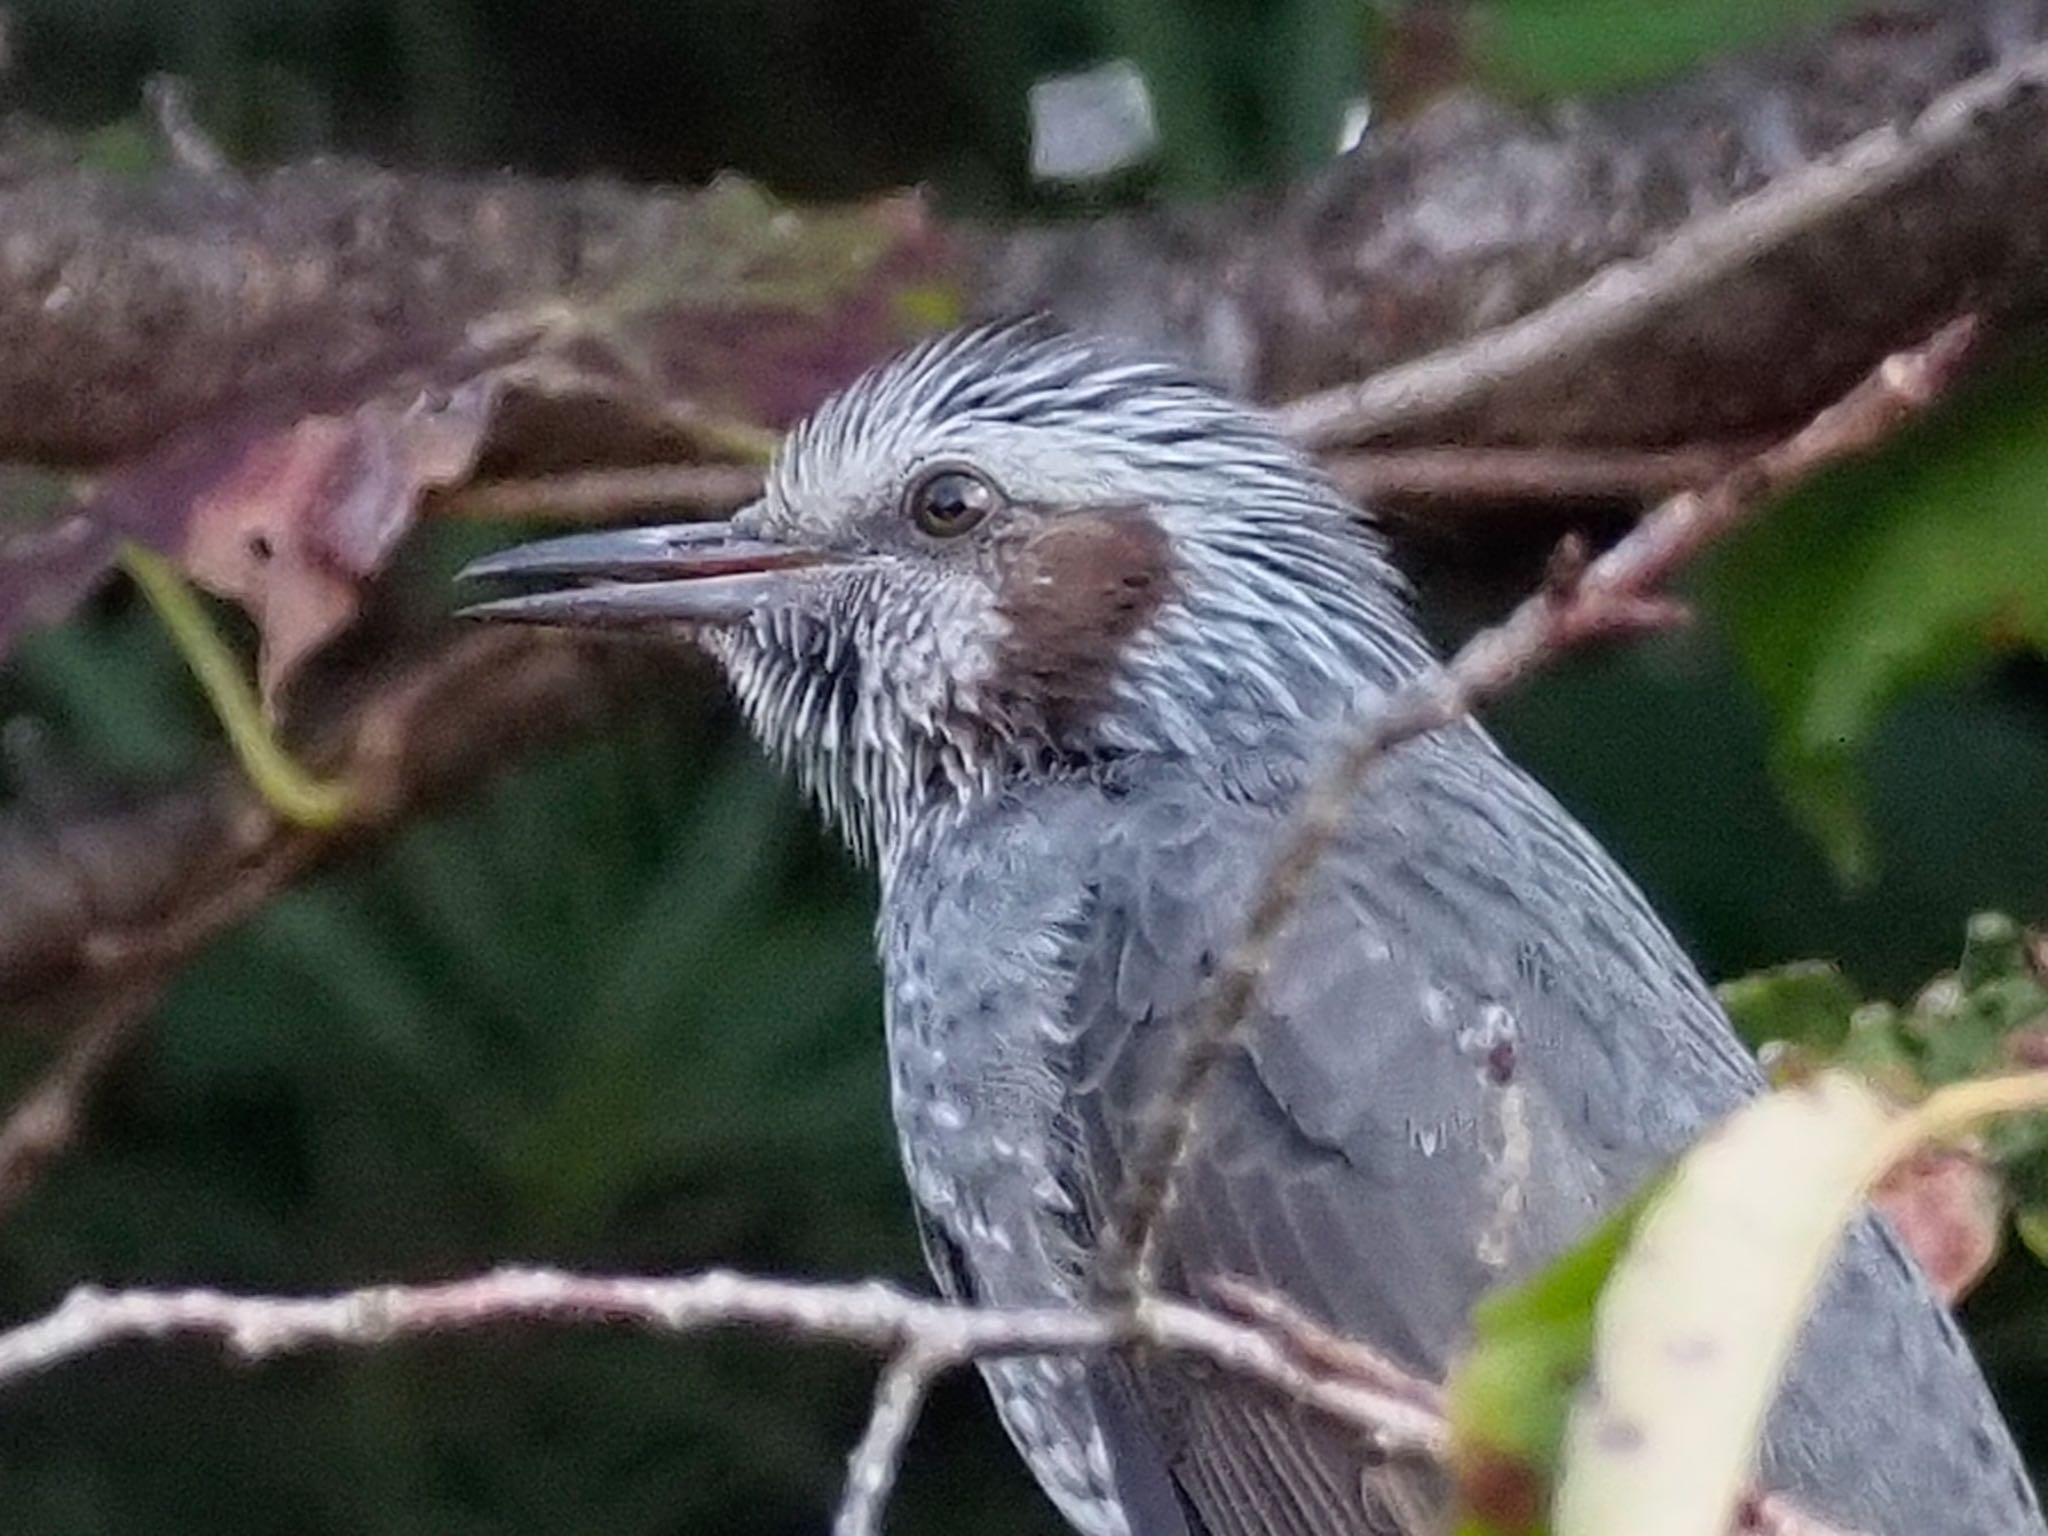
(1625, 302)
(871, 1469)
(1617, 595)
(97, 916)
(44, 1123)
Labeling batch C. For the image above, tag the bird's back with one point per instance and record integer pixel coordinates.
(1474, 1039)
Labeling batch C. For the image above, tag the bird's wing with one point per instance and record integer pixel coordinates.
(1474, 1038)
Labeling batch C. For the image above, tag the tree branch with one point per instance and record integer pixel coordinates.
(131, 310)
(1479, 389)
(1620, 594)
(934, 1334)
(46, 1120)
(871, 1469)
(98, 915)
(137, 890)
(607, 495)
(1281, 1351)
(1473, 215)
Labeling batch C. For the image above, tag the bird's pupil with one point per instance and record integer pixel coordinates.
(952, 497)
(952, 502)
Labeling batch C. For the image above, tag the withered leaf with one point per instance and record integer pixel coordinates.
(300, 520)
(739, 321)
(1949, 1207)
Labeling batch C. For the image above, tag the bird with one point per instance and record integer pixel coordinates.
(1057, 634)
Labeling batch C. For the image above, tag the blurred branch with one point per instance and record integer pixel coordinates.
(1435, 475)
(133, 309)
(1473, 215)
(46, 1120)
(1466, 476)
(97, 916)
(607, 495)
(1618, 595)
(1631, 303)
(136, 891)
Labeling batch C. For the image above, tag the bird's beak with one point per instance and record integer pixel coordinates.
(687, 574)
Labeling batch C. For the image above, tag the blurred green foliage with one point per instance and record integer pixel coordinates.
(619, 1010)
(1987, 1016)
(1920, 563)
(1561, 47)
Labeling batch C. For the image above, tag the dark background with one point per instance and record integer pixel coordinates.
(619, 1009)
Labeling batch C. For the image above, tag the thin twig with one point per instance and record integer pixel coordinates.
(1626, 297)
(1620, 594)
(46, 1120)
(871, 1469)
(1548, 474)
(169, 99)
(1437, 474)
(607, 495)
(1351, 1359)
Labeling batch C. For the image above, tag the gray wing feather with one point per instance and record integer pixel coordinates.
(1475, 1038)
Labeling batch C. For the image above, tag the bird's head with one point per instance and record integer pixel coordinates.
(1011, 552)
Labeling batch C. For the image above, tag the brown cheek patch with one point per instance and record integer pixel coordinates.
(1073, 595)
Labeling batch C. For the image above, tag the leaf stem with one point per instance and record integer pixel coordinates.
(286, 788)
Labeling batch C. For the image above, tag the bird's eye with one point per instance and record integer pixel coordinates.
(947, 502)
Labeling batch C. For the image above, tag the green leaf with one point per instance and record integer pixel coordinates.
(1808, 1003)
(1916, 565)
(2031, 1222)
(1567, 47)
(1511, 1393)
(1994, 949)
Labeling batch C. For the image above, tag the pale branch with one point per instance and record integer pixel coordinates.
(1352, 1359)
(1280, 1350)
(871, 1470)
(1620, 594)
(935, 1335)
(1449, 392)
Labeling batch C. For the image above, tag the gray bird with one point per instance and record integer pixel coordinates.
(1056, 636)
